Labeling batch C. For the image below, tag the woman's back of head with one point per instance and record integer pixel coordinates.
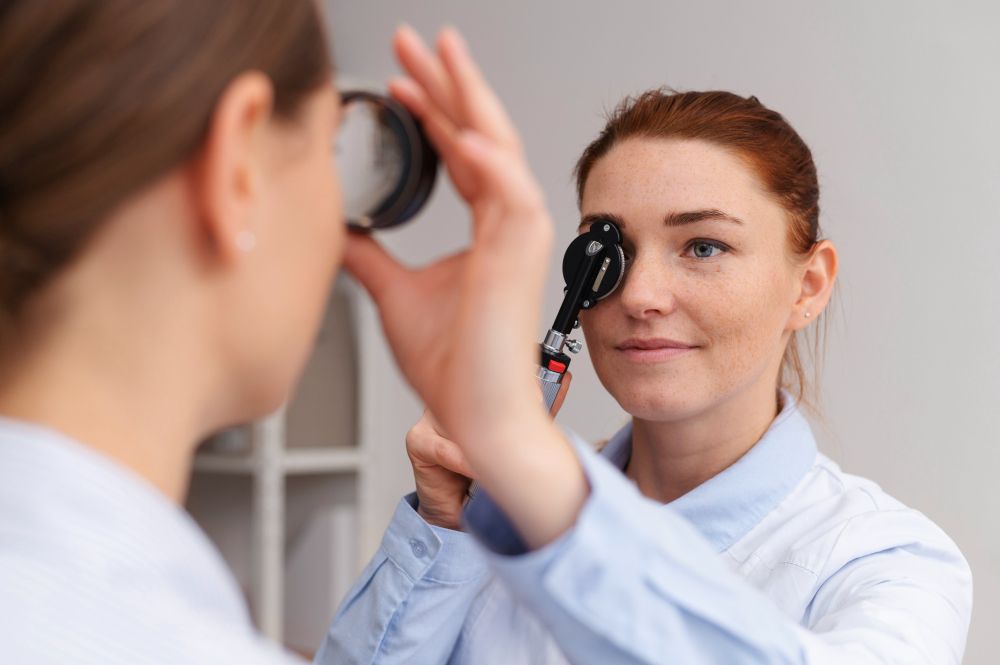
(99, 99)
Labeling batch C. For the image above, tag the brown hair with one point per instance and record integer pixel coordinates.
(99, 99)
(760, 136)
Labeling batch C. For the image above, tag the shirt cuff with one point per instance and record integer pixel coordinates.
(424, 551)
(516, 563)
(496, 532)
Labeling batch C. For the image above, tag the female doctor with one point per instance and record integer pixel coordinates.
(712, 531)
(170, 222)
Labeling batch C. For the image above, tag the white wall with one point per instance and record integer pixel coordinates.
(899, 102)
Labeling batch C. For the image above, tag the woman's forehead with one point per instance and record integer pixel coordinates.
(654, 178)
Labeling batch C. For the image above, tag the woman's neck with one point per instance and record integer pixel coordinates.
(111, 394)
(669, 459)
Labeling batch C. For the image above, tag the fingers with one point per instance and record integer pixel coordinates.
(371, 265)
(473, 161)
(427, 70)
(429, 418)
(468, 124)
(426, 442)
(476, 100)
(454, 84)
(440, 130)
(450, 456)
(444, 132)
(501, 174)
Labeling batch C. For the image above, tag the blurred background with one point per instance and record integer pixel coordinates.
(898, 101)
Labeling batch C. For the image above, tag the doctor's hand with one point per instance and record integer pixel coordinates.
(440, 470)
(463, 329)
(441, 473)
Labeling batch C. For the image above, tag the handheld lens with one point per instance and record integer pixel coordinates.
(387, 165)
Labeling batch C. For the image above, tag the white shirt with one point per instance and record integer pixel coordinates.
(97, 567)
(781, 558)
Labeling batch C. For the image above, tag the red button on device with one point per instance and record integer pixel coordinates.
(557, 366)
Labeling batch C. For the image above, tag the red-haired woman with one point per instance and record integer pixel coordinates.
(709, 529)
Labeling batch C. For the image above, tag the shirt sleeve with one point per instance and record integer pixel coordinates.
(410, 603)
(616, 589)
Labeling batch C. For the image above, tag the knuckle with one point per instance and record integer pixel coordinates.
(442, 451)
(414, 438)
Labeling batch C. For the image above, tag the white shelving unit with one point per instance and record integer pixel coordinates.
(269, 464)
(267, 455)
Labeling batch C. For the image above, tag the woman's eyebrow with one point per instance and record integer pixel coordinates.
(587, 220)
(693, 216)
(670, 219)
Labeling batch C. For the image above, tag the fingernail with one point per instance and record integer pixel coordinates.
(456, 37)
(406, 31)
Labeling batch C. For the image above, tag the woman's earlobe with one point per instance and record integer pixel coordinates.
(819, 276)
(230, 165)
(246, 241)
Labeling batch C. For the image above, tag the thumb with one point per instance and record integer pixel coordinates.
(368, 262)
(561, 395)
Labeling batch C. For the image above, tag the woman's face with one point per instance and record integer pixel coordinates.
(704, 310)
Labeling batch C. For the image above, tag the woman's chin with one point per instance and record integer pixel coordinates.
(659, 405)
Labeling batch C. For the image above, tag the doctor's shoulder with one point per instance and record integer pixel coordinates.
(839, 534)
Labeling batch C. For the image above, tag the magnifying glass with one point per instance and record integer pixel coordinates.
(387, 165)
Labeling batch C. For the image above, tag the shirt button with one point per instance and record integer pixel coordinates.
(418, 547)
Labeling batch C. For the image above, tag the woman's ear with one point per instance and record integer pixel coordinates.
(228, 171)
(819, 274)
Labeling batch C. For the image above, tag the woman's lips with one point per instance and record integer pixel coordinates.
(653, 350)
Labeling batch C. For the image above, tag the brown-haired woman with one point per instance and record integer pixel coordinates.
(169, 226)
(714, 532)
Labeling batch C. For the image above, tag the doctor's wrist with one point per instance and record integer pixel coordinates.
(451, 520)
(538, 480)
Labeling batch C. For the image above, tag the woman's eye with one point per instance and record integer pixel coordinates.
(706, 249)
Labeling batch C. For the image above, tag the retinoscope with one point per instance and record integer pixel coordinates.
(592, 267)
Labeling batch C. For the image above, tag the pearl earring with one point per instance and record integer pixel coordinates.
(808, 315)
(246, 241)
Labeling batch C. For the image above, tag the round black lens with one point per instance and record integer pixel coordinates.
(387, 165)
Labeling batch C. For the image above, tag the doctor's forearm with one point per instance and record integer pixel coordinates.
(535, 476)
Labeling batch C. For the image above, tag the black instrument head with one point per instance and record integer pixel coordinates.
(593, 267)
(603, 238)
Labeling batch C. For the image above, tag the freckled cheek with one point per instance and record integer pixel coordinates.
(598, 327)
(743, 321)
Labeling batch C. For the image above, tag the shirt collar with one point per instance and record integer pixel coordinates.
(727, 506)
(68, 497)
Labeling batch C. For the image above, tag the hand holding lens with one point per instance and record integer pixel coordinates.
(388, 169)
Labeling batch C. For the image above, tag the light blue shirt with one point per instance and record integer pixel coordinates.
(781, 558)
(97, 567)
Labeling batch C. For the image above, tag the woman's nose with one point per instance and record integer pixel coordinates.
(647, 289)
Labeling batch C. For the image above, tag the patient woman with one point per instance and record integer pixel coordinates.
(712, 530)
(170, 221)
